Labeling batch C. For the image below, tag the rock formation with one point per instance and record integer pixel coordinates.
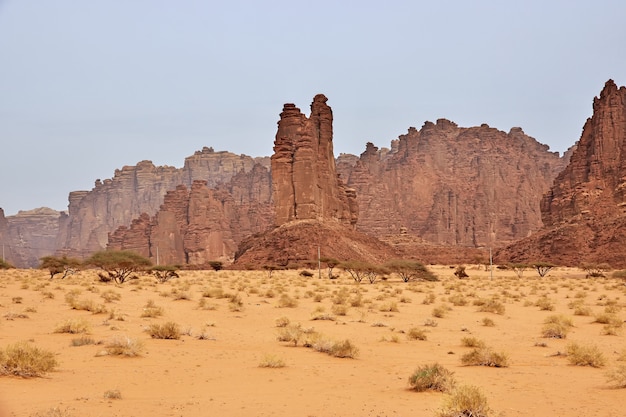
(30, 235)
(452, 186)
(304, 179)
(138, 189)
(201, 224)
(313, 207)
(585, 210)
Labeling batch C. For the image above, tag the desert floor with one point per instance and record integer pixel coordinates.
(214, 368)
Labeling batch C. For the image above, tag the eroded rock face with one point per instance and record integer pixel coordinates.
(585, 210)
(201, 224)
(30, 235)
(473, 187)
(138, 189)
(304, 178)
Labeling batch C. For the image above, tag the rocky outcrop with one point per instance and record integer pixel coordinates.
(138, 189)
(314, 210)
(585, 210)
(200, 224)
(30, 235)
(472, 187)
(304, 179)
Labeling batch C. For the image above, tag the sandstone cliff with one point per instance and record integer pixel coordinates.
(138, 189)
(585, 210)
(200, 224)
(452, 186)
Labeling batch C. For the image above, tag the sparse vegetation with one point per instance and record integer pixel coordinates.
(485, 356)
(168, 330)
(459, 272)
(432, 378)
(126, 346)
(556, 327)
(465, 401)
(73, 326)
(586, 355)
(617, 376)
(415, 333)
(271, 361)
(25, 360)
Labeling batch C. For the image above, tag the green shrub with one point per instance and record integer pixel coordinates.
(432, 378)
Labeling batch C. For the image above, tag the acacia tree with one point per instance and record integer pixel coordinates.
(164, 272)
(5, 265)
(519, 268)
(56, 265)
(410, 270)
(356, 269)
(118, 266)
(543, 268)
(331, 263)
(594, 270)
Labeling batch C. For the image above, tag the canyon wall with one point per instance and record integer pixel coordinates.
(585, 210)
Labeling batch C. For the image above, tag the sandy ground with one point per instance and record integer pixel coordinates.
(219, 373)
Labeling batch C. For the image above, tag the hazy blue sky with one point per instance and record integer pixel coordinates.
(88, 86)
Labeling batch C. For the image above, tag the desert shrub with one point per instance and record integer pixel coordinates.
(25, 360)
(163, 273)
(582, 310)
(113, 394)
(556, 327)
(465, 401)
(415, 333)
(432, 378)
(545, 304)
(473, 342)
(235, 303)
(286, 301)
(73, 326)
(271, 361)
(82, 341)
(125, 346)
(306, 274)
(460, 272)
(151, 310)
(458, 300)
(619, 274)
(486, 321)
(492, 306)
(168, 330)
(343, 349)
(339, 309)
(390, 306)
(617, 376)
(588, 355)
(430, 323)
(607, 318)
(484, 356)
(594, 270)
(291, 333)
(110, 296)
(282, 321)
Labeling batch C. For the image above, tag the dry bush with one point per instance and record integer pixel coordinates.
(124, 346)
(439, 312)
(458, 300)
(485, 356)
(486, 321)
(235, 303)
(151, 310)
(168, 330)
(282, 321)
(582, 310)
(605, 318)
(588, 355)
(73, 326)
(492, 306)
(271, 361)
(617, 377)
(472, 342)
(82, 341)
(113, 394)
(110, 296)
(390, 306)
(286, 301)
(86, 305)
(432, 378)
(545, 304)
(465, 401)
(343, 349)
(430, 323)
(339, 309)
(25, 360)
(291, 333)
(556, 327)
(415, 333)
(321, 315)
(52, 412)
(429, 299)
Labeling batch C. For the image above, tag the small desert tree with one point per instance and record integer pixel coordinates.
(460, 272)
(164, 272)
(543, 268)
(410, 270)
(270, 270)
(356, 269)
(519, 268)
(56, 265)
(594, 270)
(118, 266)
(373, 271)
(331, 263)
(216, 265)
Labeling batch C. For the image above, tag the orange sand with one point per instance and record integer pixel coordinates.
(221, 376)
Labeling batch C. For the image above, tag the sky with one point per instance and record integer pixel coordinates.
(87, 87)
